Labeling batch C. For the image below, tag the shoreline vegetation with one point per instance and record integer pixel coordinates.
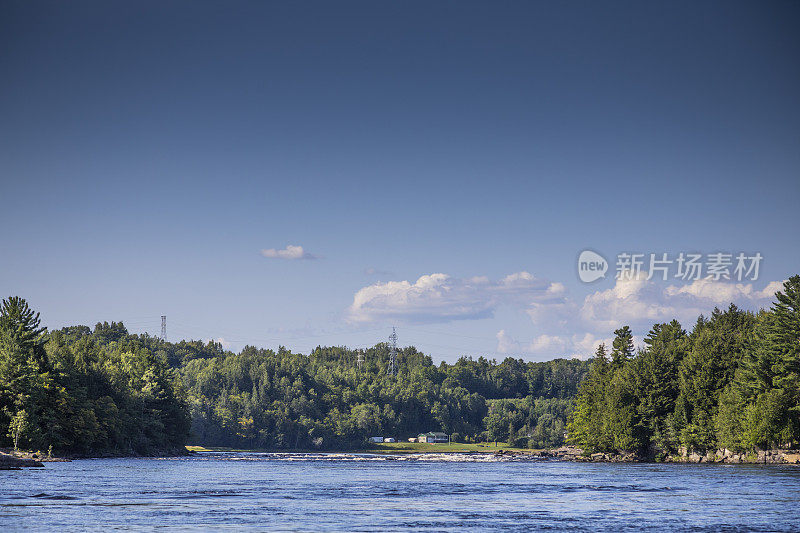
(728, 390)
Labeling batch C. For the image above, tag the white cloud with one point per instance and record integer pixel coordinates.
(641, 303)
(517, 277)
(563, 327)
(580, 346)
(567, 328)
(584, 346)
(633, 301)
(721, 293)
(442, 298)
(505, 344)
(556, 288)
(290, 252)
(549, 344)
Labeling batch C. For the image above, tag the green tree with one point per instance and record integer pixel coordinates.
(654, 379)
(717, 347)
(25, 383)
(586, 426)
(762, 407)
(784, 335)
(18, 427)
(622, 346)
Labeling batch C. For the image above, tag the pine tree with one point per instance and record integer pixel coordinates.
(784, 333)
(622, 346)
(586, 425)
(25, 384)
(767, 385)
(718, 347)
(655, 380)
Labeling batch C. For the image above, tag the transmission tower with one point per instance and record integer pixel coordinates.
(163, 327)
(360, 359)
(392, 353)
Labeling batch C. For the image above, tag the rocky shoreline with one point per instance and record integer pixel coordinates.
(15, 459)
(12, 462)
(728, 456)
(721, 456)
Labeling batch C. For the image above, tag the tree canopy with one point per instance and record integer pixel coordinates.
(732, 382)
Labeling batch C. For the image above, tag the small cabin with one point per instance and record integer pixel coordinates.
(433, 437)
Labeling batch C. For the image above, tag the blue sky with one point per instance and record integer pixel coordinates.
(420, 152)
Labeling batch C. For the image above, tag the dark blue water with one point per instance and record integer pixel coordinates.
(314, 493)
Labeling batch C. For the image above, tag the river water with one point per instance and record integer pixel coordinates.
(317, 492)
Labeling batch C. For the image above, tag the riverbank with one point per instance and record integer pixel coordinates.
(11, 459)
(721, 456)
(15, 459)
(563, 453)
(728, 456)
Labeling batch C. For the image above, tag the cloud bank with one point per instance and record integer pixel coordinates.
(634, 302)
(641, 303)
(561, 326)
(442, 298)
(580, 346)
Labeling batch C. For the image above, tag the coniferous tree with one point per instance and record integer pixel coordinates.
(760, 408)
(784, 335)
(25, 383)
(654, 374)
(717, 349)
(622, 346)
(587, 426)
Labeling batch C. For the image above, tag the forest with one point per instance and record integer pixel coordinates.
(264, 399)
(732, 381)
(105, 391)
(85, 392)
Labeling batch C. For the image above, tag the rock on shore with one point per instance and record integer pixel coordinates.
(728, 456)
(10, 462)
(571, 453)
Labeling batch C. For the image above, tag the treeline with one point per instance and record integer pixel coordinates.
(732, 382)
(94, 391)
(85, 392)
(265, 399)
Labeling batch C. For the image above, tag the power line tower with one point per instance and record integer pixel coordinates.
(392, 353)
(163, 327)
(360, 359)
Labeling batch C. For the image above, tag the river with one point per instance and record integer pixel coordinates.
(336, 492)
